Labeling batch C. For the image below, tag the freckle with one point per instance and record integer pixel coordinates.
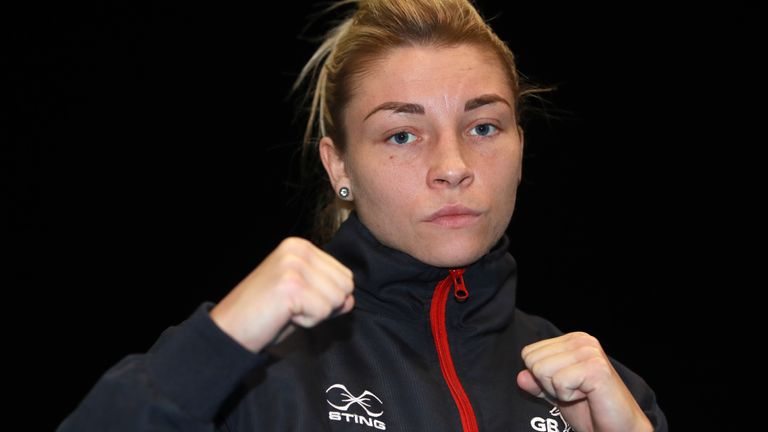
(391, 157)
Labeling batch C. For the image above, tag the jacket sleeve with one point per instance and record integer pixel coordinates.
(179, 384)
(644, 396)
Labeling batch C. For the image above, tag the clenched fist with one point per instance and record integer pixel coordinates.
(297, 284)
(575, 371)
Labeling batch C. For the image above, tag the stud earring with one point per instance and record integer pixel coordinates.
(344, 192)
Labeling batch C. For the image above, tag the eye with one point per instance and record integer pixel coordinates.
(402, 138)
(485, 129)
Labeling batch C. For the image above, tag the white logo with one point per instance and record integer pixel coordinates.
(342, 399)
(363, 400)
(550, 425)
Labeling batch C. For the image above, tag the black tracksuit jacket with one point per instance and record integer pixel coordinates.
(411, 356)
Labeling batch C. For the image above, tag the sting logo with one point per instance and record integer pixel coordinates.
(339, 397)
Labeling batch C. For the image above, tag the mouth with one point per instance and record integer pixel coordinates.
(453, 216)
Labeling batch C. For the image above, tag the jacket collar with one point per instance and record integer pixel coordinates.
(392, 283)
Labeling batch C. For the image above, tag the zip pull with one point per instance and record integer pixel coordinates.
(460, 291)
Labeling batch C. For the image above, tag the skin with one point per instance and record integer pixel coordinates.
(402, 165)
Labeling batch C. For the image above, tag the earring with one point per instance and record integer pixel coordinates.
(344, 192)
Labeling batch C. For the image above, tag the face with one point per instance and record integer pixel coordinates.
(434, 153)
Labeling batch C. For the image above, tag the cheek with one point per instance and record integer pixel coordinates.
(382, 180)
(506, 169)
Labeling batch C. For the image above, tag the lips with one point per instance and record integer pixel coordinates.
(453, 216)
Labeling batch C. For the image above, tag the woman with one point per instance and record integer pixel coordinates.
(405, 320)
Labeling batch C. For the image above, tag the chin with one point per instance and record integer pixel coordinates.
(451, 262)
(445, 248)
(453, 255)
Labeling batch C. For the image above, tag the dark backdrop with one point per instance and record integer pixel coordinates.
(152, 145)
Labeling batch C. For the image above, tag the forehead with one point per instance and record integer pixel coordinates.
(429, 75)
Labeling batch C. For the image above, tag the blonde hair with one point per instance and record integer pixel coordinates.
(373, 28)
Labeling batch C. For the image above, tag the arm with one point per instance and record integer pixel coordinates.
(179, 384)
(184, 379)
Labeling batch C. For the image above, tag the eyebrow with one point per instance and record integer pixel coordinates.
(411, 108)
(397, 107)
(485, 99)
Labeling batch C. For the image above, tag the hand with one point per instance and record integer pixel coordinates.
(574, 370)
(296, 284)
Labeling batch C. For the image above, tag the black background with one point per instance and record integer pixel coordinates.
(151, 148)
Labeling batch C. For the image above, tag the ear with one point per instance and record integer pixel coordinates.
(333, 163)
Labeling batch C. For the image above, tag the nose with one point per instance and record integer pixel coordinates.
(449, 167)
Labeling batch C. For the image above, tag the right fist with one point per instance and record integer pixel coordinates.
(297, 283)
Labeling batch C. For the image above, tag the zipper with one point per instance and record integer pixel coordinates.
(440, 334)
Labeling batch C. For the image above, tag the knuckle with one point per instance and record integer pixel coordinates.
(558, 383)
(348, 286)
(592, 341)
(293, 242)
(349, 275)
(292, 276)
(583, 338)
(537, 370)
(338, 298)
(292, 262)
(589, 352)
(579, 335)
(291, 282)
(525, 352)
(297, 246)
